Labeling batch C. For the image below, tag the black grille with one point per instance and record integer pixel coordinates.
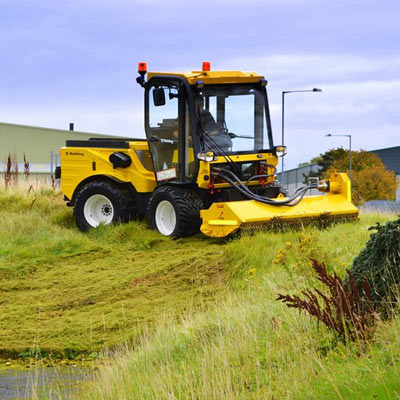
(243, 171)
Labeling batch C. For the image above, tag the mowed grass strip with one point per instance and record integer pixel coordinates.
(65, 292)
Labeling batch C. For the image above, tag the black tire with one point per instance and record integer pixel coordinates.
(186, 205)
(123, 206)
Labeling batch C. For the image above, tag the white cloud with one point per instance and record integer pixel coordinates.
(297, 68)
(361, 97)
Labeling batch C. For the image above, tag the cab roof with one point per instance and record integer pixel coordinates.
(212, 77)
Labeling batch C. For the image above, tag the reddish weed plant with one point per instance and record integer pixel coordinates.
(27, 168)
(342, 309)
(10, 171)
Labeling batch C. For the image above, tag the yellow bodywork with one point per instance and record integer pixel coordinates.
(223, 219)
(77, 166)
(81, 163)
(213, 77)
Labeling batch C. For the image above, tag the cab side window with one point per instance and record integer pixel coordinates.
(164, 128)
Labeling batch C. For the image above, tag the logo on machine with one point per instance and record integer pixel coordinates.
(70, 153)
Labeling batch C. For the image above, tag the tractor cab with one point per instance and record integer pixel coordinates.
(204, 116)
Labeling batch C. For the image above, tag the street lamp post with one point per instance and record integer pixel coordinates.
(283, 121)
(350, 161)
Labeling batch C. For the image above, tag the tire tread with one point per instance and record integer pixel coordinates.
(187, 204)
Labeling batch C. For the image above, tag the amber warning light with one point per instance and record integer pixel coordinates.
(206, 66)
(142, 67)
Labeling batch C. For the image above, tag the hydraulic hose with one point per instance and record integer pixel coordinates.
(292, 201)
(235, 182)
(298, 194)
(246, 192)
(262, 176)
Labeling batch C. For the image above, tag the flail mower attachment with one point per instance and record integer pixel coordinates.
(225, 218)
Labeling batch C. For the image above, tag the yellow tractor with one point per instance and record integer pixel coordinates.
(208, 163)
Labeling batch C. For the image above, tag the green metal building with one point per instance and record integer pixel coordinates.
(40, 146)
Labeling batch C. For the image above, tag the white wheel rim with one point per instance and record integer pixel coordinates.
(165, 217)
(98, 209)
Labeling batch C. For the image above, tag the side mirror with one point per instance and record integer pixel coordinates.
(158, 97)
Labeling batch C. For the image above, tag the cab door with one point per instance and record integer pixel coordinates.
(169, 130)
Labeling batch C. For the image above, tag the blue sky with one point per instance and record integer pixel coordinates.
(76, 61)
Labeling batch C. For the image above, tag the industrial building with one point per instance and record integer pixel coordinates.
(390, 157)
(40, 146)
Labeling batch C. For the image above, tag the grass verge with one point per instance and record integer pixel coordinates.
(250, 346)
(193, 318)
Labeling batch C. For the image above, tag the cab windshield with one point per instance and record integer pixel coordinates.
(232, 119)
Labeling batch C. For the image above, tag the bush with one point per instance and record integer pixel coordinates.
(379, 264)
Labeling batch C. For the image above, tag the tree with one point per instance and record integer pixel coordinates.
(325, 160)
(328, 158)
(370, 178)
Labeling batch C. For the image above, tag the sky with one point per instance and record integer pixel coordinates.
(76, 61)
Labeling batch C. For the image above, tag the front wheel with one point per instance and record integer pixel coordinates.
(101, 202)
(174, 211)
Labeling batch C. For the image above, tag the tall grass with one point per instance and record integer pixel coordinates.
(250, 346)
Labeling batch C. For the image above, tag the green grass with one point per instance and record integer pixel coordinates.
(249, 346)
(65, 292)
(187, 319)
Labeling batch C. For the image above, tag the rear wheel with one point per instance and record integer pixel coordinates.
(175, 212)
(102, 202)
